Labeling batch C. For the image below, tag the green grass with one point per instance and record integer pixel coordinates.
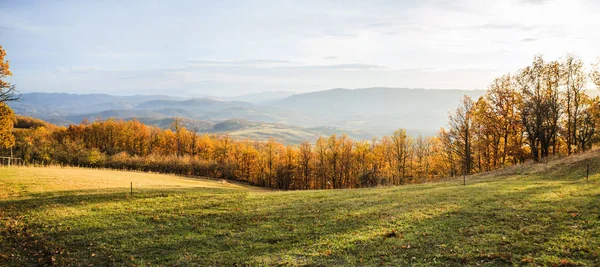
(534, 215)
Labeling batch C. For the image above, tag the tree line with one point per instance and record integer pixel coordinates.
(539, 111)
(330, 162)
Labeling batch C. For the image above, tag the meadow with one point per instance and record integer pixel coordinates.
(538, 214)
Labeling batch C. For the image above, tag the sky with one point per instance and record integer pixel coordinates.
(227, 48)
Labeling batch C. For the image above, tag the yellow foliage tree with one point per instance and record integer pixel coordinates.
(7, 90)
(7, 93)
(7, 120)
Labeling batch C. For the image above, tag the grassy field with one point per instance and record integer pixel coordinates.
(545, 214)
(45, 182)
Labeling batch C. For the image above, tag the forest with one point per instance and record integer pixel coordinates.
(541, 110)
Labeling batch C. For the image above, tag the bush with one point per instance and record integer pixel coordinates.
(96, 158)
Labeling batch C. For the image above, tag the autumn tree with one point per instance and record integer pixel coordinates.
(450, 161)
(270, 155)
(334, 151)
(422, 152)
(305, 158)
(437, 167)
(8, 92)
(503, 102)
(346, 162)
(585, 129)
(540, 108)
(486, 136)
(595, 74)
(401, 144)
(364, 161)
(322, 164)
(574, 80)
(461, 134)
(286, 170)
(552, 78)
(7, 139)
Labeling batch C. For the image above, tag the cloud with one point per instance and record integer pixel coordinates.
(249, 62)
(526, 40)
(251, 65)
(11, 23)
(504, 26)
(535, 2)
(380, 24)
(354, 66)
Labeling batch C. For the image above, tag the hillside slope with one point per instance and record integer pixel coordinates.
(529, 215)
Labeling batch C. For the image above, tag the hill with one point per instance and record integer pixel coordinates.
(373, 111)
(381, 109)
(532, 215)
(166, 123)
(57, 107)
(243, 129)
(193, 105)
(262, 98)
(23, 122)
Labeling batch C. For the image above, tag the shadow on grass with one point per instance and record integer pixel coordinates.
(514, 230)
(498, 223)
(98, 196)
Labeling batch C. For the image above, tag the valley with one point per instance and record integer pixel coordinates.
(289, 118)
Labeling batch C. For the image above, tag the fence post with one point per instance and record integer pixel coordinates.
(587, 173)
(131, 192)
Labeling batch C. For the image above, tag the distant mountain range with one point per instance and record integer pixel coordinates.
(291, 118)
(262, 98)
(381, 110)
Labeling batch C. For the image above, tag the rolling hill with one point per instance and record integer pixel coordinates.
(262, 98)
(527, 215)
(360, 113)
(243, 129)
(197, 105)
(381, 109)
(58, 106)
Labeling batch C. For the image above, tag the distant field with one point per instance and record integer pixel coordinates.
(291, 134)
(27, 182)
(534, 215)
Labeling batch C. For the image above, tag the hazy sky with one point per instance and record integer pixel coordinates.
(198, 48)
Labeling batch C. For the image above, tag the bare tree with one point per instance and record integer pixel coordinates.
(595, 74)
(574, 80)
(541, 107)
(8, 92)
(461, 123)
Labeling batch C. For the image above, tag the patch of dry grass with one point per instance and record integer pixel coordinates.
(27, 181)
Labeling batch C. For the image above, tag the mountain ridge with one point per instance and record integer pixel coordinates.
(376, 110)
